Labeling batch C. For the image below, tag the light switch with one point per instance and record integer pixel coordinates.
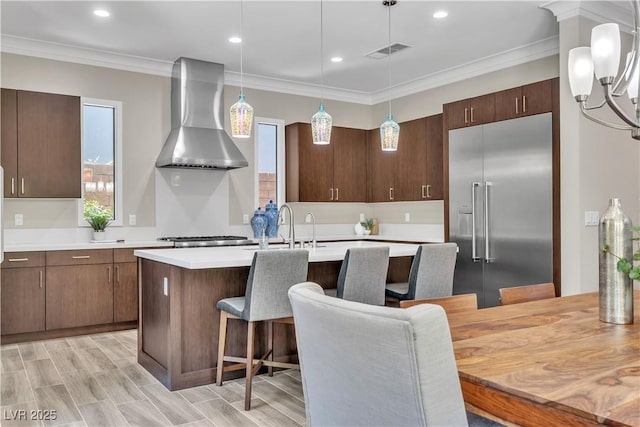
(591, 218)
(245, 219)
(407, 217)
(361, 217)
(132, 220)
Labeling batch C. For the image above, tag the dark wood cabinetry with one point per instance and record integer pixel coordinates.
(79, 288)
(125, 286)
(325, 173)
(471, 112)
(414, 171)
(41, 144)
(23, 293)
(535, 98)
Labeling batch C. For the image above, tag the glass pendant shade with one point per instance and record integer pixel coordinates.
(241, 118)
(321, 123)
(389, 134)
(605, 50)
(632, 89)
(580, 71)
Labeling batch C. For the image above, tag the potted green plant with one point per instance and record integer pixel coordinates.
(625, 265)
(98, 217)
(367, 224)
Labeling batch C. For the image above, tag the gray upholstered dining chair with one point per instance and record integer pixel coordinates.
(431, 274)
(363, 275)
(271, 274)
(364, 365)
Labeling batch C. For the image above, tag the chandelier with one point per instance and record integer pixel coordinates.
(602, 59)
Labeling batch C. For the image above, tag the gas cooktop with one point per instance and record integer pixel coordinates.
(206, 241)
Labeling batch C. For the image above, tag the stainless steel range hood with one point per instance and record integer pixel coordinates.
(197, 138)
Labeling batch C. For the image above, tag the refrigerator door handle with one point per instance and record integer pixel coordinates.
(474, 250)
(487, 256)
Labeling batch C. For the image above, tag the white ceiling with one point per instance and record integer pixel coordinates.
(282, 39)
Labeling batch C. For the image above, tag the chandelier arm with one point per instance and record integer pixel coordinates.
(616, 109)
(593, 107)
(584, 112)
(623, 83)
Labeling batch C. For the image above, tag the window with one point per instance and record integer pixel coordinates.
(269, 143)
(102, 156)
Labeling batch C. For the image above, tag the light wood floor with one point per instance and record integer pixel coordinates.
(95, 380)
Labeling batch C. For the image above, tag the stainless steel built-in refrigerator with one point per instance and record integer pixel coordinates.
(500, 205)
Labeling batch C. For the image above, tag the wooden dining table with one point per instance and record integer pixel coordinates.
(550, 362)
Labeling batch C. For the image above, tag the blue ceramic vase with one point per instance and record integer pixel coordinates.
(271, 210)
(258, 223)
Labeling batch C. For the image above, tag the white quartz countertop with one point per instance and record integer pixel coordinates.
(32, 247)
(240, 256)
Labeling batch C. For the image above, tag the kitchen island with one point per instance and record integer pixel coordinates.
(179, 290)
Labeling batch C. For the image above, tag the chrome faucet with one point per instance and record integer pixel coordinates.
(292, 231)
(313, 242)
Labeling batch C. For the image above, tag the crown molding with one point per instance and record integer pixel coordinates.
(598, 11)
(68, 53)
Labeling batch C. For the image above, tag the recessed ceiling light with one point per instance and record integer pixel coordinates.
(440, 14)
(101, 13)
(235, 39)
(336, 59)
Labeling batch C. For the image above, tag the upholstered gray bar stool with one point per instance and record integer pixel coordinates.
(363, 275)
(431, 274)
(271, 275)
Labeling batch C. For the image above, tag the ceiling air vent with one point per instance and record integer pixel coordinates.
(384, 52)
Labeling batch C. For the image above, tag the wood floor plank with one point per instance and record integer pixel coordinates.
(56, 344)
(83, 387)
(95, 360)
(66, 360)
(119, 387)
(287, 383)
(102, 414)
(11, 361)
(114, 349)
(172, 405)
(229, 391)
(135, 372)
(281, 400)
(57, 398)
(199, 394)
(142, 414)
(81, 342)
(42, 373)
(264, 414)
(222, 413)
(15, 388)
(33, 351)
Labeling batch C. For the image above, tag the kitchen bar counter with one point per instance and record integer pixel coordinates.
(179, 290)
(32, 247)
(241, 256)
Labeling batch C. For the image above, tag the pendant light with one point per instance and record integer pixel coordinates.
(241, 112)
(321, 121)
(389, 130)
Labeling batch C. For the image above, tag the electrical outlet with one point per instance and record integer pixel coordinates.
(245, 219)
(407, 217)
(307, 218)
(132, 220)
(18, 219)
(591, 218)
(361, 217)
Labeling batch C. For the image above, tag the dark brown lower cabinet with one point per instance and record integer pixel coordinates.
(125, 292)
(23, 299)
(79, 295)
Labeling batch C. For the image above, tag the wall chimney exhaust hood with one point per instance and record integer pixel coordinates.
(197, 138)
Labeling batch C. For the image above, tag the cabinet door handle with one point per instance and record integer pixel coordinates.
(22, 185)
(524, 103)
(466, 120)
(331, 198)
(81, 257)
(428, 191)
(117, 274)
(337, 194)
(424, 188)
(471, 114)
(13, 185)
(109, 275)
(391, 193)
(18, 259)
(41, 279)
(516, 105)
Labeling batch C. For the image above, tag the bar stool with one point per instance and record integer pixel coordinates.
(271, 275)
(363, 275)
(431, 274)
